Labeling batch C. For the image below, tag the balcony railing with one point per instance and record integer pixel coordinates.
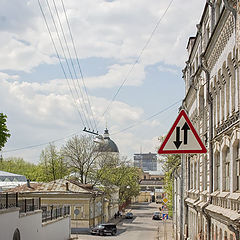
(55, 213)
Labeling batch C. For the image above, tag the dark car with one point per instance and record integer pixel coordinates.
(157, 216)
(129, 215)
(103, 229)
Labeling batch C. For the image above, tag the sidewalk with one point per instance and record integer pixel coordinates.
(165, 231)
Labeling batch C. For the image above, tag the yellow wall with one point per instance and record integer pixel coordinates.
(144, 197)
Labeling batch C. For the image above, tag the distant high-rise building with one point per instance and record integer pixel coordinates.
(146, 161)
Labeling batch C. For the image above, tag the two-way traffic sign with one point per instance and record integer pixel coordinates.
(182, 138)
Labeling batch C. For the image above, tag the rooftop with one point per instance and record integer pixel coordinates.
(60, 185)
(11, 177)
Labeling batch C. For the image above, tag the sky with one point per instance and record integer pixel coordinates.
(126, 72)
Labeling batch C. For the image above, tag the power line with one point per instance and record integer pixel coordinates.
(138, 58)
(68, 67)
(71, 60)
(39, 145)
(59, 59)
(154, 115)
(79, 67)
(59, 139)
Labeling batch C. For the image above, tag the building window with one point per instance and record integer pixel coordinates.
(191, 177)
(238, 165)
(195, 175)
(227, 170)
(205, 172)
(217, 160)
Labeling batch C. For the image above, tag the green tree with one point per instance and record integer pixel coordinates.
(52, 164)
(4, 132)
(170, 164)
(19, 166)
(123, 176)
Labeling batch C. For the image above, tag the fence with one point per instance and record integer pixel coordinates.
(55, 213)
(28, 205)
(8, 200)
(11, 200)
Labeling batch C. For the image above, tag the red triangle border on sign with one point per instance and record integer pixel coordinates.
(182, 114)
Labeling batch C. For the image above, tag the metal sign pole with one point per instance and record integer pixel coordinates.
(183, 159)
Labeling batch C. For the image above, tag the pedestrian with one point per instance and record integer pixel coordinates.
(115, 215)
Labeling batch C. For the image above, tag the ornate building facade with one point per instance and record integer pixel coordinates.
(212, 100)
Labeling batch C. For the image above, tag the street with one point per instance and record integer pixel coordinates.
(140, 227)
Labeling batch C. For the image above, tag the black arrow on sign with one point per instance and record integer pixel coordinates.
(177, 142)
(185, 128)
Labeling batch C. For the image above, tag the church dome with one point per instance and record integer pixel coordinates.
(108, 145)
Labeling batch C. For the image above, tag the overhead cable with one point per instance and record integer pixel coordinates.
(59, 59)
(138, 58)
(71, 60)
(78, 63)
(68, 66)
(59, 139)
(154, 115)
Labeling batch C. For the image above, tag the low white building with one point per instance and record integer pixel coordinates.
(16, 224)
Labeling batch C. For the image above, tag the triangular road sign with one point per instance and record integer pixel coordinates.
(182, 138)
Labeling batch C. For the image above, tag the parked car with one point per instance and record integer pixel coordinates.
(157, 216)
(103, 229)
(129, 215)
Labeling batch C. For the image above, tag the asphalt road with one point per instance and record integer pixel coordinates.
(140, 227)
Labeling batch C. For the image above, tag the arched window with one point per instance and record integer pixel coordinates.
(16, 235)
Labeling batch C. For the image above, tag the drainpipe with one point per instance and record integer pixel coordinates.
(230, 8)
(210, 106)
(173, 198)
(210, 150)
(176, 210)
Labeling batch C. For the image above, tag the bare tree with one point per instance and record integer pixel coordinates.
(82, 154)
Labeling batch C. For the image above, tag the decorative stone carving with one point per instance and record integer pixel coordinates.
(228, 123)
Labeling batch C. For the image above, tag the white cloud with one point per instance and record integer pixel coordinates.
(46, 115)
(116, 75)
(6, 76)
(117, 30)
(167, 69)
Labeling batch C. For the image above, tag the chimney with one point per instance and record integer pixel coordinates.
(28, 183)
(67, 186)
